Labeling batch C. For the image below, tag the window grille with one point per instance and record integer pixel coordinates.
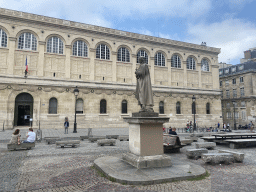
(233, 81)
(220, 83)
(227, 82)
(123, 54)
(124, 106)
(242, 91)
(53, 106)
(207, 108)
(242, 103)
(159, 59)
(234, 93)
(176, 61)
(27, 41)
(227, 93)
(55, 45)
(236, 115)
(228, 115)
(142, 53)
(191, 64)
(79, 106)
(178, 108)
(244, 115)
(204, 65)
(80, 49)
(103, 106)
(3, 38)
(102, 52)
(161, 107)
(241, 79)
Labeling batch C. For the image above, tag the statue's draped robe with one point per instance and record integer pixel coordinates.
(144, 93)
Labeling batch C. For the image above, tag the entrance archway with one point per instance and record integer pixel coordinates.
(23, 109)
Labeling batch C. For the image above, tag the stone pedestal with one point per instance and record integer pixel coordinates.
(146, 142)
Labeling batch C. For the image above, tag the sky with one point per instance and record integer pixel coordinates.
(226, 24)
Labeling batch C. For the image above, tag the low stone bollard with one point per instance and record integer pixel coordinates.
(112, 136)
(20, 146)
(239, 157)
(95, 138)
(123, 137)
(195, 153)
(70, 143)
(186, 141)
(216, 158)
(102, 142)
(207, 145)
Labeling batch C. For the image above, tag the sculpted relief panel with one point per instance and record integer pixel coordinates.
(103, 70)
(3, 61)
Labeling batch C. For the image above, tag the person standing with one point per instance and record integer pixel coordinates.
(252, 126)
(66, 125)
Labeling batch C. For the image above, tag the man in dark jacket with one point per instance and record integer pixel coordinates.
(172, 131)
(66, 125)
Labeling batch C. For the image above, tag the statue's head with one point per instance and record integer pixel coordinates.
(142, 60)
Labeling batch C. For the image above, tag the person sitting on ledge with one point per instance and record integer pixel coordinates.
(31, 136)
(172, 131)
(15, 137)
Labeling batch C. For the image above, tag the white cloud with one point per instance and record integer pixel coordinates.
(233, 36)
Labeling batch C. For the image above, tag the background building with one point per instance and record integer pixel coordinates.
(238, 84)
(101, 62)
(249, 55)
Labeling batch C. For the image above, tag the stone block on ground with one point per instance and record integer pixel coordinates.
(123, 137)
(20, 146)
(239, 157)
(141, 162)
(186, 141)
(84, 137)
(207, 145)
(112, 136)
(192, 138)
(95, 138)
(217, 158)
(195, 153)
(70, 143)
(51, 140)
(102, 142)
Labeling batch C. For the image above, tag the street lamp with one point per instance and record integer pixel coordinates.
(194, 111)
(234, 102)
(76, 92)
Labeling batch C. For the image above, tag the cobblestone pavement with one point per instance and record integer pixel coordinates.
(47, 168)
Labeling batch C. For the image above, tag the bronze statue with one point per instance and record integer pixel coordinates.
(144, 93)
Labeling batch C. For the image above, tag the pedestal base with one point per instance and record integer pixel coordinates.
(141, 162)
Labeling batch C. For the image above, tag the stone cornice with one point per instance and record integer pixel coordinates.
(48, 82)
(104, 30)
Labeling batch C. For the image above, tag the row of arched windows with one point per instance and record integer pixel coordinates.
(103, 107)
(28, 41)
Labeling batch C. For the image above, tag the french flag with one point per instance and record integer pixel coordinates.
(26, 64)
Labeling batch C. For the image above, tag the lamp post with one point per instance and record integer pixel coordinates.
(234, 102)
(76, 92)
(194, 111)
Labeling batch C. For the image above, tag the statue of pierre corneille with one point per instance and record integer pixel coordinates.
(144, 93)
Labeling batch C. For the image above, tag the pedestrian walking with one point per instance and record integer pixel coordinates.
(66, 125)
(252, 126)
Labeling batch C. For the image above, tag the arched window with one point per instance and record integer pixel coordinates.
(53, 106)
(124, 106)
(55, 45)
(80, 49)
(3, 38)
(208, 108)
(27, 41)
(103, 106)
(191, 64)
(204, 65)
(161, 107)
(102, 52)
(178, 111)
(142, 53)
(194, 108)
(123, 55)
(176, 61)
(159, 59)
(79, 106)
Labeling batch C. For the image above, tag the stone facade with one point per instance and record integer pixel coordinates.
(55, 75)
(238, 85)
